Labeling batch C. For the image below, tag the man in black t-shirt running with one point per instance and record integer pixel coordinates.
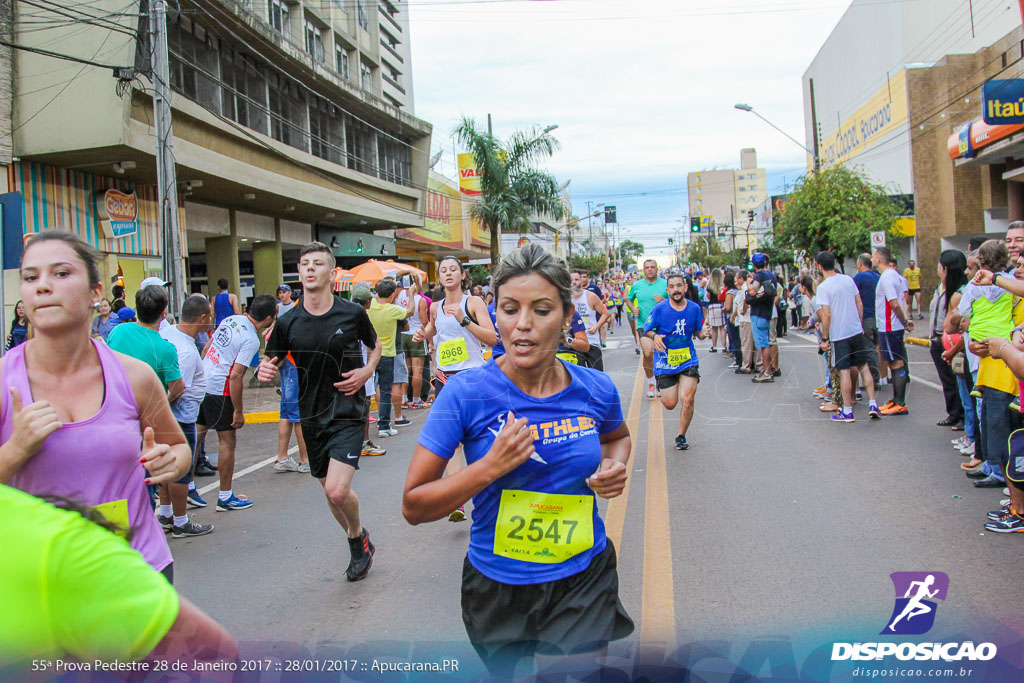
(323, 333)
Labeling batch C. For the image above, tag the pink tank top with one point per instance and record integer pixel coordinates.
(94, 462)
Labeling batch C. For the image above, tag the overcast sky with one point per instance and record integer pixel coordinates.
(642, 91)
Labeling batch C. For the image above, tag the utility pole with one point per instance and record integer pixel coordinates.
(166, 176)
(590, 224)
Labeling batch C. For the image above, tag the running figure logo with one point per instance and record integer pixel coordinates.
(501, 425)
(914, 612)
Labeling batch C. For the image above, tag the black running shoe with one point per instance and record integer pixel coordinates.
(362, 557)
(681, 444)
(205, 469)
(191, 528)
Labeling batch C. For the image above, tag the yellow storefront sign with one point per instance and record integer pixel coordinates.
(443, 222)
(884, 112)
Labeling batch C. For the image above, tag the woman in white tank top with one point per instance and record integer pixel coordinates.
(459, 325)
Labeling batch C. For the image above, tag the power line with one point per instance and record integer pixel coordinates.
(58, 55)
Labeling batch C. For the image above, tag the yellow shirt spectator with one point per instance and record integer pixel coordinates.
(385, 319)
(913, 276)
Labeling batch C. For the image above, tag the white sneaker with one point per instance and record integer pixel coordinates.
(968, 450)
(1004, 501)
(650, 390)
(384, 433)
(288, 465)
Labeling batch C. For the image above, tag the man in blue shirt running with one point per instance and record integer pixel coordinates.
(672, 325)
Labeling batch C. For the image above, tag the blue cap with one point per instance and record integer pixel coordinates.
(125, 313)
(285, 288)
(759, 260)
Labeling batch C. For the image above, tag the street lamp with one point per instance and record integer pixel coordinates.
(747, 107)
(549, 129)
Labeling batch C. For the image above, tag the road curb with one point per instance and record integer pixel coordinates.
(919, 341)
(270, 416)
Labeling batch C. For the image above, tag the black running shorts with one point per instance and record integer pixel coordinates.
(666, 381)
(216, 412)
(344, 444)
(852, 352)
(578, 614)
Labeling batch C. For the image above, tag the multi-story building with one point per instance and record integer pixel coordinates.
(727, 196)
(292, 121)
(864, 97)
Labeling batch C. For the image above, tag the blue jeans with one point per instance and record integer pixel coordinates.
(995, 429)
(970, 415)
(289, 392)
(385, 380)
(734, 340)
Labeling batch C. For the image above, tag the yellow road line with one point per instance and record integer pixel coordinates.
(658, 614)
(615, 518)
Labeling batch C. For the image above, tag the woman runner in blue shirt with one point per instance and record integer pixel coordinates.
(542, 438)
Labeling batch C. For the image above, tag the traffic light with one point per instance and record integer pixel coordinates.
(750, 215)
(694, 223)
(750, 266)
(359, 247)
(670, 241)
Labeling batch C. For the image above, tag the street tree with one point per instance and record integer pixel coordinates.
(511, 187)
(836, 210)
(592, 263)
(630, 251)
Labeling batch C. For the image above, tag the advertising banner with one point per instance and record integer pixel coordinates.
(884, 112)
(469, 178)
(118, 213)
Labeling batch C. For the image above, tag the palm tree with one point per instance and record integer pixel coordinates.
(511, 189)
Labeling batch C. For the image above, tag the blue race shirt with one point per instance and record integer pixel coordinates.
(866, 283)
(678, 328)
(471, 411)
(498, 349)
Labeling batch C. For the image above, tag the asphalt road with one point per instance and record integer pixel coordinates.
(775, 533)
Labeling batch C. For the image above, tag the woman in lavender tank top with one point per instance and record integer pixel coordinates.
(77, 420)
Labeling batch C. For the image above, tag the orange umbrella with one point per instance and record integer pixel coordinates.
(342, 280)
(373, 271)
(405, 268)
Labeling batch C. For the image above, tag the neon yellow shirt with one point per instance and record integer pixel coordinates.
(913, 276)
(72, 587)
(992, 372)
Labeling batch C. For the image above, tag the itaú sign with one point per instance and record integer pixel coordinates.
(1002, 101)
(118, 213)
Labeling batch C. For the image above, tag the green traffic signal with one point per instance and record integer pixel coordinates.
(695, 224)
(670, 241)
(750, 266)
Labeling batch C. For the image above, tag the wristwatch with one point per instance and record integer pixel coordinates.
(465, 321)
